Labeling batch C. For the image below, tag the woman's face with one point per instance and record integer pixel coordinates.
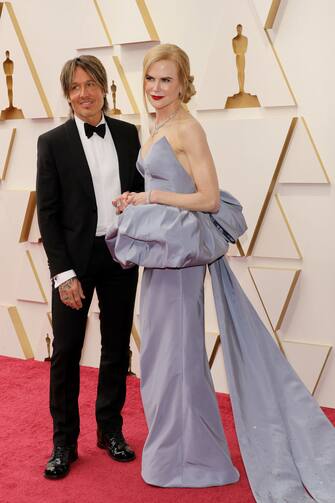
(162, 85)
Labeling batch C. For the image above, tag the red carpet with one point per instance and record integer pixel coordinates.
(25, 444)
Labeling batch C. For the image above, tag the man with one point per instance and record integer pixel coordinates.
(82, 166)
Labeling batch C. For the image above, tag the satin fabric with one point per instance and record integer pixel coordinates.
(287, 443)
(208, 236)
(186, 445)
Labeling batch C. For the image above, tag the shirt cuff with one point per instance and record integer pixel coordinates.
(62, 277)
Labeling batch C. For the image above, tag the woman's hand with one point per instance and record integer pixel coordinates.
(121, 202)
(137, 198)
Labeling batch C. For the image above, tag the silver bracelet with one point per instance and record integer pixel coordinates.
(148, 197)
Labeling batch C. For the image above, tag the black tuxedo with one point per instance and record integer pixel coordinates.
(67, 214)
(67, 209)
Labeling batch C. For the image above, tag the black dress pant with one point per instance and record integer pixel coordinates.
(116, 289)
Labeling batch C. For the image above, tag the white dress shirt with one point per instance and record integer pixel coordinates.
(104, 167)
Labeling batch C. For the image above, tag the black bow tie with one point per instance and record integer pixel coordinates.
(100, 130)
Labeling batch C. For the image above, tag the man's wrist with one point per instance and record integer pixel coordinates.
(62, 277)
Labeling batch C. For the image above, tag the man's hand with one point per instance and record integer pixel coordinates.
(71, 293)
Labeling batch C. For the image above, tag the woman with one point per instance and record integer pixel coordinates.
(169, 230)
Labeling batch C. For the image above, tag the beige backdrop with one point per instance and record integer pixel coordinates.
(278, 159)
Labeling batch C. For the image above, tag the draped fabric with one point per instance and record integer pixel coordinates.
(287, 443)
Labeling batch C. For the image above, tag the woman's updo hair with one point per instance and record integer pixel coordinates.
(174, 53)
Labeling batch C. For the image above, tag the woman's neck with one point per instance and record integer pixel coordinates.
(160, 123)
(163, 114)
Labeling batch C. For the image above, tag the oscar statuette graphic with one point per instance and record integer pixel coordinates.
(10, 112)
(48, 343)
(241, 99)
(114, 110)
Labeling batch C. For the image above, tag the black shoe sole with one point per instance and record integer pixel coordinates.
(101, 446)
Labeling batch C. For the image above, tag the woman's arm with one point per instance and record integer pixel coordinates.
(193, 143)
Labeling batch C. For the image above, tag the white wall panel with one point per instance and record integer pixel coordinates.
(280, 244)
(262, 8)
(9, 342)
(263, 76)
(25, 93)
(304, 42)
(246, 153)
(246, 145)
(302, 163)
(53, 32)
(124, 21)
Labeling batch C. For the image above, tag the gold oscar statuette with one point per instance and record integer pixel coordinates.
(114, 110)
(48, 343)
(241, 99)
(10, 112)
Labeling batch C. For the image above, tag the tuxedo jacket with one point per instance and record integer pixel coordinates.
(66, 204)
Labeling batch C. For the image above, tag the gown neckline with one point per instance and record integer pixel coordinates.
(144, 159)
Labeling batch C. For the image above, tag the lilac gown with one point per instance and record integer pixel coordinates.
(287, 443)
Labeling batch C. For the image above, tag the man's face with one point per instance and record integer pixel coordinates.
(86, 97)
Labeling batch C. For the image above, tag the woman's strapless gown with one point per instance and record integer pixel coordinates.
(286, 442)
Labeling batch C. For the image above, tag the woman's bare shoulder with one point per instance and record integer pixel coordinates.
(190, 130)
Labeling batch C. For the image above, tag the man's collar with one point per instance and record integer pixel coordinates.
(80, 123)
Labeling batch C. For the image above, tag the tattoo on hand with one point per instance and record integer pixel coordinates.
(67, 285)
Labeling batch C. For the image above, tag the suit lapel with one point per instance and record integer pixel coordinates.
(121, 150)
(78, 159)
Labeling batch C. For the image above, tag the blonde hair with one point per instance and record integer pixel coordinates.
(174, 53)
(93, 67)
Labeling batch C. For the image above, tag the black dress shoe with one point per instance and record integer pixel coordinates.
(116, 446)
(59, 464)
